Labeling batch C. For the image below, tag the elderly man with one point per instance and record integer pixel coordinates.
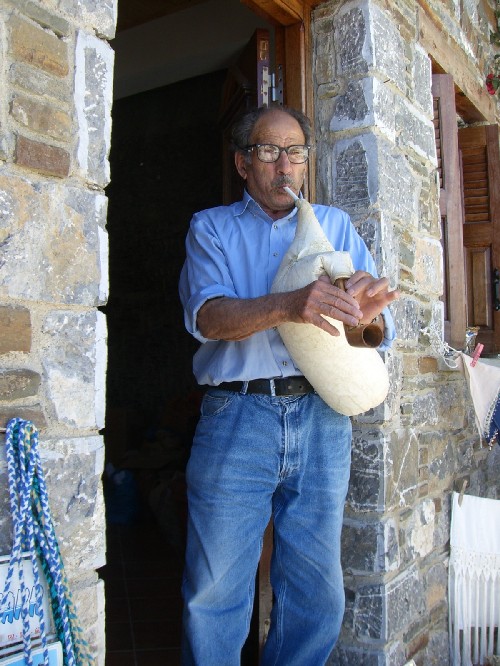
(266, 443)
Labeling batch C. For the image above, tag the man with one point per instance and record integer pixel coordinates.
(266, 444)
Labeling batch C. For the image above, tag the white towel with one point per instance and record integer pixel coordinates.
(474, 579)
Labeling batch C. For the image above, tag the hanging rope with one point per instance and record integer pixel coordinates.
(440, 347)
(34, 534)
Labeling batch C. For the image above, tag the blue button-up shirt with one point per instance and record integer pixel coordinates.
(235, 251)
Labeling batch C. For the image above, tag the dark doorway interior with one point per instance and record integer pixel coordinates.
(165, 165)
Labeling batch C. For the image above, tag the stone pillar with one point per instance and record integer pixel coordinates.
(377, 160)
(56, 71)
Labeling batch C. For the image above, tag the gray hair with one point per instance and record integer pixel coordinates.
(243, 128)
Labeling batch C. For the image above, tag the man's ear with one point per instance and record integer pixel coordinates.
(240, 160)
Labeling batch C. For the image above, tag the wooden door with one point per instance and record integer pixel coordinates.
(246, 86)
(480, 153)
(451, 209)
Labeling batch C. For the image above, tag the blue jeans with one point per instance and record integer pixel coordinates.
(254, 456)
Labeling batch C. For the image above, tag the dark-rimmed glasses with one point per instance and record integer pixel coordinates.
(268, 152)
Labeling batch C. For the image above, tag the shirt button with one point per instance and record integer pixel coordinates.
(285, 363)
(275, 254)
(275, 226)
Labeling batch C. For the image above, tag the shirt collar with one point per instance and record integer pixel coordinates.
(249, 204)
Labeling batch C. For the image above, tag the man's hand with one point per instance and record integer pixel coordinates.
(321, 298)
(372, 294)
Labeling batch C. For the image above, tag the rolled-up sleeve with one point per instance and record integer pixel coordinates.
(205, 273)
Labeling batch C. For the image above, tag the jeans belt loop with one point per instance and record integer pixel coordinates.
(244, 388)
(272, 387)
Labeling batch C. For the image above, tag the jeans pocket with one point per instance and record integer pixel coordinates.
(214, 403)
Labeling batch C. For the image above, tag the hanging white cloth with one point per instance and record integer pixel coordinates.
(474, 580)
(484, 384)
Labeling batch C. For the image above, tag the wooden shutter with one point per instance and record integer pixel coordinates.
(481, 182)
(451, 211)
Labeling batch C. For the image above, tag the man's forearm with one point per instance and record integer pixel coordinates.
(236, 319)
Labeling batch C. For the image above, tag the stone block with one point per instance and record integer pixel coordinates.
(422, 80)
(401, 470)
(369, 230)
(351, 655)
(427, 364)
(33, 413)
(436, 580)
(418, 531)
(41, 118)
(15, 327)
(74, 359)
(439, 645)
(73, 468)
(367, 471)
(367, 39)
(367, 171)
(428, 268)
(5, 145)
(369, 547)
(415, 131)
(388, 250)
(365, 103)
(451, 404)
(352, 107)
(384, 471)
(351, 176)
(383, 610)
(399, 189)
(46, 19)
(41, 157)
(351, 43)
(93, 99)
(98, 15)
(18, 384)
(406, 313)
(422, 409)
(89, 599)
(35, 46)
(33, 80)
(57, 226)
(417, 644)
(323, 56)
(388, 48)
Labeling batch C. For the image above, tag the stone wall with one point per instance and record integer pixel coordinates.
(377, 160)
(56, 71)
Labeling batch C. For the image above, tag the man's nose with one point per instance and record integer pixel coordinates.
(283, 163)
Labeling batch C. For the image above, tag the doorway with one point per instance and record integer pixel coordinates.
(166, 164)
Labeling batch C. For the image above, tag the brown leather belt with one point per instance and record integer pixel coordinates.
(282, 386)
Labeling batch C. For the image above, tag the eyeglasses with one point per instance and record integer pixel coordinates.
(268, 152)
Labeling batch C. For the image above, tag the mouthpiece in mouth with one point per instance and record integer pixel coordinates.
(291, 193)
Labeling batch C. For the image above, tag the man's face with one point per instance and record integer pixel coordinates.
(265, 180)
